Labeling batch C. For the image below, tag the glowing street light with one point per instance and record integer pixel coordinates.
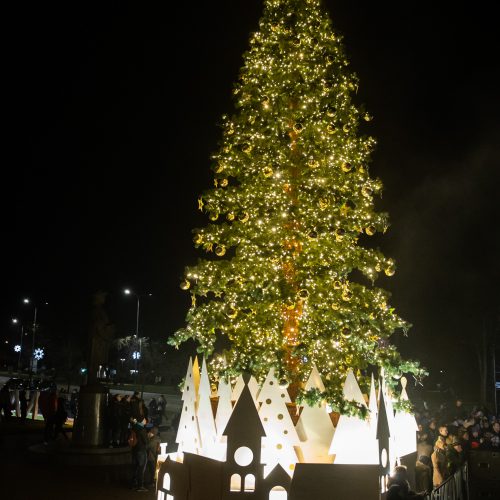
(17, 348)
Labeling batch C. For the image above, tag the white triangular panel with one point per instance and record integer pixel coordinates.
(281, 436)
(315, 428)
(351, 390)
(373, 406)
(353, 441)
(253, 386)
(206, 422)
(405, 428)
(188, 435)
(224, 406)
(238, 388)
(268, 389)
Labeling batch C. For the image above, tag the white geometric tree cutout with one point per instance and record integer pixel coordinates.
(188, 435)
(315, 427)
(353, 441)
(281, 436)
(253, 386)
(405, 428)
(205, 417)
(373, 406)
(224, 410)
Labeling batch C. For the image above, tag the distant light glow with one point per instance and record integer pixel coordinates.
(136, 355)
(26, 301)
(127, 291)
(17, 348)
(14, 320)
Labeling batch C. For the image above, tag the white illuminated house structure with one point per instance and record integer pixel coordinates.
(256, 452)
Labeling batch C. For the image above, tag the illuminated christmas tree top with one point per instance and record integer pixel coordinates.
(288, 274)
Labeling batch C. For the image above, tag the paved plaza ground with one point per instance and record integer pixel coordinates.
(25, 477)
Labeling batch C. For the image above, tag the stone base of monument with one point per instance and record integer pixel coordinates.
(90, 423)
(87, 446)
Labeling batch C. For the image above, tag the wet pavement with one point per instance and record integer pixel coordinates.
(28, 477)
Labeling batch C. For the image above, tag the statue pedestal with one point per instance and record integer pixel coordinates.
(90, 423)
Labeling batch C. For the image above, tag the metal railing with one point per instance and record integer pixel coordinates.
(456, 487)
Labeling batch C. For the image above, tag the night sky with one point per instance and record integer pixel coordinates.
(111, 112)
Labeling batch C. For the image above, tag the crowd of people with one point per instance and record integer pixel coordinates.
(129, 422)
(444, 439)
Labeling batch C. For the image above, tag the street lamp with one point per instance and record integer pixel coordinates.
(27, 301)
(35, 310)
(15, 321)
(138, 354)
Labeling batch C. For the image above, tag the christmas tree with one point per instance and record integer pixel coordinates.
(288, 274)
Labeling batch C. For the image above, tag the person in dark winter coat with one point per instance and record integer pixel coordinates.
(114, 420)
(23, 403)
(48, 407)
(455, 456)
(60, 417)
(139, 454)
(153, 450)
(125, 417)
(399, 487)
(136, 408)
(5, 404)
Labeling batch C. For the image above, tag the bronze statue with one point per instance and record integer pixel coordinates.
(101, 333)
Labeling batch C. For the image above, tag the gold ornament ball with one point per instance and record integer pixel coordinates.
(198, 239)
(224, 182)
(346, 128)
(303, 294)
(323, 203)
(346, 166)
(313, 163)
(367, 117)
(346, 332)
(366, 191)
(230, 216)
(185, 285)
(231, 313)
(331, 128)
(335, 306)
(243, 217)
(339, 234)
(246, 147)
(267, 171)
(346, 295)
(370, 230)
(220, 250)
(283, 383)
(337, 285)
(298, 127)
(213, 216)
(390, 270)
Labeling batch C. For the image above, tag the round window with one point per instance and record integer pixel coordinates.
(243, 456)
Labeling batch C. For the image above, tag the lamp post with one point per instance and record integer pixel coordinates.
(15, 321)
(138, 339)
(27, 301)
(127, 291)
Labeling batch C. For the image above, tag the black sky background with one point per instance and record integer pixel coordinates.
(111, 112)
